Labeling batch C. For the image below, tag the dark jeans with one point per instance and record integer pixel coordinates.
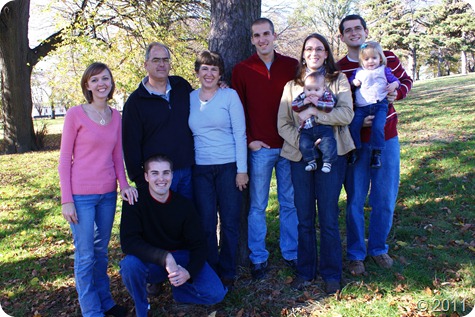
(205, 289)
(380, 111)
(325, 188)
(215, 192)
(327, 145)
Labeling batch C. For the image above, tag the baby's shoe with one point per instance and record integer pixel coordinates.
(311, 166)
(327, 167)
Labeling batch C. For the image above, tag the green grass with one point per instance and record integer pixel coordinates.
(432, 240)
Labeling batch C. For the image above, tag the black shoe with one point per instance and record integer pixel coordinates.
(331, 287)
(117, 311)
(376, 159)
(292, 264)
(259, 270)
(299, 283)
(228, 283)
(154, 289)
(352, 157)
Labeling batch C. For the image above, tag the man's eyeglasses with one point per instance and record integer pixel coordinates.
(164, 60)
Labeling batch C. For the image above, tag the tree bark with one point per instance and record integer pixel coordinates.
(230, 35)
(463, 64)
(15, 72)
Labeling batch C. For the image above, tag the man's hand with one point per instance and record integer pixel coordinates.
(257, 145)
(392, 86)
(391, 96)
(179, 277)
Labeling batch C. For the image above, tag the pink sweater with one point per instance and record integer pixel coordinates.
(90, 159)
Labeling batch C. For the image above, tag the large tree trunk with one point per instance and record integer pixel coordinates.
(15, 72)
(230, 35)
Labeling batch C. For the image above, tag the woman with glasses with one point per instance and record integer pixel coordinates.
(316, 56)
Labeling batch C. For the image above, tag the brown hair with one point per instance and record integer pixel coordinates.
(157, 158)
(263, 21)
(209, 58)
(92, 70)
(331, 70)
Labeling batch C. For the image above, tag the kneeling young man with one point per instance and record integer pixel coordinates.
(162, 238)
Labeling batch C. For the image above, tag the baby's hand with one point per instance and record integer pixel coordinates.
(356, 82)
(312, 99)
(392, 86)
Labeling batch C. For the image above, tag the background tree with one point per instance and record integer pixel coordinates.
(230, 35)
(85, 18)
(324, 16)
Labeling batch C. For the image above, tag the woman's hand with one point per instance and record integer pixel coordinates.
(241, 181)
(307, 113)
(130, 194)
(69, 213)
(368, 121)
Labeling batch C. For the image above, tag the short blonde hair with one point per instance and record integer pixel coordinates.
(371, 47)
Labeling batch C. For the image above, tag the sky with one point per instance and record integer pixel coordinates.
(41, 25)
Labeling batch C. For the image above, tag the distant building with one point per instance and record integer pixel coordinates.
(45, 112)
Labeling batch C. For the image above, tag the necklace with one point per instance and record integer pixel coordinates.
(210, 94)
(102, 121)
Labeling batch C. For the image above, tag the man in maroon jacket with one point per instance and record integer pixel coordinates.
(360, 177)
(259, 81)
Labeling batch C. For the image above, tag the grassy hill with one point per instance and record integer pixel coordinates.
(432, 240)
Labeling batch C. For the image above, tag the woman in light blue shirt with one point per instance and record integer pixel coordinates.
(219, 130)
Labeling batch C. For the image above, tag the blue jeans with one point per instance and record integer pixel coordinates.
(261, 164)
(181, 182)
(325, 188)
(215, 191)
(382, 199)
(327, 145)
(206, 288)
(91, 239)
(379, 110)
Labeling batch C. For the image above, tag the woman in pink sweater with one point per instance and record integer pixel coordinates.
(90, 164)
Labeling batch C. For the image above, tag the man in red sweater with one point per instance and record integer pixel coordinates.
(259, 81)
(360, 177)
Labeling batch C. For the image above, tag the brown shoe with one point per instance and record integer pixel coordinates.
(383, 260)
(356, 267)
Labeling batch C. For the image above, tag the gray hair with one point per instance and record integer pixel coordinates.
(152, 45)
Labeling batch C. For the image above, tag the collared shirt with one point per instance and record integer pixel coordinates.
(165, 96)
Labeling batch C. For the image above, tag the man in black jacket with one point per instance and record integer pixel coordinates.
(155, 120)
(162, 238)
